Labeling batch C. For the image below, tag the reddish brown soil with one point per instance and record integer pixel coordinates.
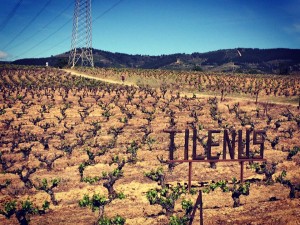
(256, 208)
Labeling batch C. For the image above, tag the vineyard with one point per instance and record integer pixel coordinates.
(85, 151)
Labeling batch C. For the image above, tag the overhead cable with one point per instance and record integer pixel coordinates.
(60, 42)
(108, 10)
(45, 26)
(45, 39)
(27, 25)
(10, 15)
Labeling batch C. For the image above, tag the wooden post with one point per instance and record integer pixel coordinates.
(201, 208)
(240, 144)
(200, 204)
(186, 145)
(247, 143)
(172, 145)
(194, 143)
(190, 176)
(242, 171)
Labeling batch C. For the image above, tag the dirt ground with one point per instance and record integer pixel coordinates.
(71, 117)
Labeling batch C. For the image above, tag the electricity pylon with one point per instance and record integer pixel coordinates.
(81, 46)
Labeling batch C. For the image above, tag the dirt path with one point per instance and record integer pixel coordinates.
(242, 98)
(183, 93)
(74, 72)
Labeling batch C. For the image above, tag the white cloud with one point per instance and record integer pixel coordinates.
(3, 55)
(294, 28)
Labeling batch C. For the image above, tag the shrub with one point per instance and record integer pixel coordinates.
(81, 169)
(98, 202)
(236, 189)
(23, 210)
(293, 187)
(48, 188)
(187, 206)
(166, 197)
(293, 152)
(117, 220)
(132, 149)
(268, 169)
(157, 175)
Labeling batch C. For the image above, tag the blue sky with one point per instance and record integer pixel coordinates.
(30, 28)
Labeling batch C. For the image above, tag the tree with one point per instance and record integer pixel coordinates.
(293, 187)
(187, 206)
(24, 173)
(98, 202)
(81, 169)
(93, 155)
(197, 68)
(237, 189)
(268, 169)
(22, 210)
(109, 177)
(166, 197)
(132, 148)
(293, 152)
(157, 175)
(113, 176)
(48, 161)
(48, 188)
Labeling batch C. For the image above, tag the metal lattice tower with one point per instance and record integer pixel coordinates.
(81, 46)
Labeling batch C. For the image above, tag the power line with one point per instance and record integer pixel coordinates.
(30, 22)
(51, 21)
(45, 39)
(60, 42)
(54, 46)
(68, 6)
(10, 15)
(108, 10)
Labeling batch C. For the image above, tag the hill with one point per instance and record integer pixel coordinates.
(247, 60)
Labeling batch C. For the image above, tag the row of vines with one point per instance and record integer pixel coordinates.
(69, 143)
(254, 86)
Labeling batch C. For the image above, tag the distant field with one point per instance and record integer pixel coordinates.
(67, 136)
(272, 88)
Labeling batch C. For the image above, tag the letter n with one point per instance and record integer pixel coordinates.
(231, 146)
